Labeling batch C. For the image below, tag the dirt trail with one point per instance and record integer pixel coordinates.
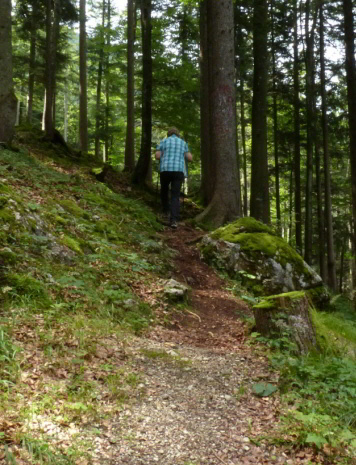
(197, 376)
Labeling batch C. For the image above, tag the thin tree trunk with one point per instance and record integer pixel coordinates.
(297, 201)
(275, 124)
(130, 124)
(50, 46)
(65, 113)
(342, 260)
(32, 64)
(351, 99)
(259, 202)
(99, 83)
(143, 164)
(243, 141)
(83, 97)
(321, 225)
(327, 175)
(290, 203)
(309, 64)
(44, 111)
(107, 87)
(52, 34)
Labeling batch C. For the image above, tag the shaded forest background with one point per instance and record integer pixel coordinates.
(115, 82)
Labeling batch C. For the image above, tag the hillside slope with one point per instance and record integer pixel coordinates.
(97, 364)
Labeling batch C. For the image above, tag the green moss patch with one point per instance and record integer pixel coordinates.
(272, 301)
(243, 225)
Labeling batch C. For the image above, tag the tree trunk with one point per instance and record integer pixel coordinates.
(327, 175)
(83, 93)
(52, 32)
(143, 164)
(32, 64)
(107, 87)
(298, 201)
(320, 213)
(275, 125)
(309, 65)
(225, 204)
(259, 202)
(99, 83)
(287, 314)
(65, 113)
(130, 124)
(7, 96)
(205, 85)
(351, 99)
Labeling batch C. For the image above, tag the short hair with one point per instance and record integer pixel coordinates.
(172, 131)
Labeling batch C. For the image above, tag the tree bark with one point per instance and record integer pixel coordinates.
(99, 84)
(52, 32)
(275, 125)
(226, 203)
(107, 86)
(327, 175)
(309, 65)
(259, 202)
(7, 96)
(130, 124)
(298, 202)
(320, 213)
(207, 171)
(351, 99)
(143, 164)
(83, 93)
(32, 63)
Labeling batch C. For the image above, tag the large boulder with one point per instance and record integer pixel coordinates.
(253, 253)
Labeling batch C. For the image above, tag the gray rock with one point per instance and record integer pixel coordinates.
(175, 291)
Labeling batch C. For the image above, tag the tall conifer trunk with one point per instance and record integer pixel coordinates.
(143, 164)
(225, 204)
(297, 200)
(130, 124)
(275, 123)
(32, 63)
(207, 163)
(107, 85)
(99, 83)
(83, 97)
(351, 100)
(327, 175)
(309, 64)
(52, 33)
(7, 96)
(259, 202)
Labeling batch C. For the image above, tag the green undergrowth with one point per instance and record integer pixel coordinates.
(75, 259)
(319, 389)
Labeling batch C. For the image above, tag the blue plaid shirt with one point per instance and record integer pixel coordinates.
(172, 154)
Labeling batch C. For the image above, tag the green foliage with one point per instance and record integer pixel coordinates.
(41, 452)
(264, 389)
(8, 363)
(24, 285)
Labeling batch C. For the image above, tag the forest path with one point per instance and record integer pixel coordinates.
(196, 375)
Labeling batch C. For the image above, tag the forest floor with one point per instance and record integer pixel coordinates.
(197, 371)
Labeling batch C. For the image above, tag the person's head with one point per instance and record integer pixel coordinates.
(172, 131)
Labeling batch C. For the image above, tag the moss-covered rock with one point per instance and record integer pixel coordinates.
(287, 315)
(266, 264)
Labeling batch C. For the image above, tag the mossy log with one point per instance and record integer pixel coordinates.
(287, 314)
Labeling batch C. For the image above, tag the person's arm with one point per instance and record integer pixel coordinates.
(188, 156)
(158, 155)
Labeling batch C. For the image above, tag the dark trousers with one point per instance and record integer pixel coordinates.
(175, 179)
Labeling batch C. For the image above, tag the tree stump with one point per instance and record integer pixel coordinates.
(287, 314)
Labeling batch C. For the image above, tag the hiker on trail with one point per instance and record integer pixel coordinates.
(172, 153)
